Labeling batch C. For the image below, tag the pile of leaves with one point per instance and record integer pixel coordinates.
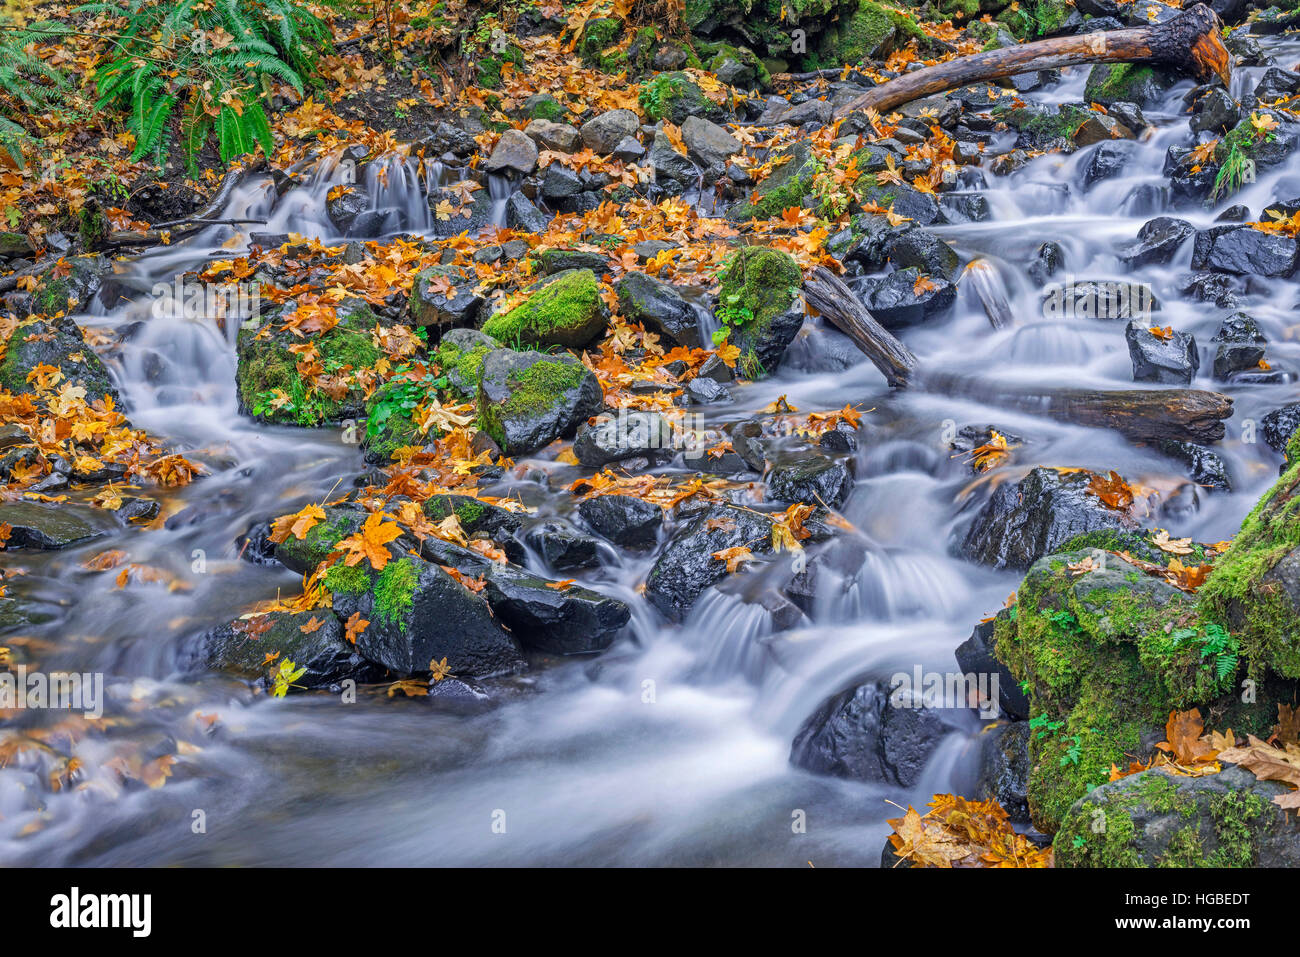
(956, 832)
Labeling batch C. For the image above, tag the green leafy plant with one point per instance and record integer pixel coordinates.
(29, 87)
(215, 60)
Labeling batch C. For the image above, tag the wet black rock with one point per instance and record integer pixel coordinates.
(625, 520)
(609, 438)
(673, 171)
(467, 216)
(419, 614)
(1241, 345)
(477, 518)
(344, 209)
(1105, 162)
(1004, 768)
(559, 621)
(686, 567)
(1215, 112)
(660, 307)
(522, 215)
(54, 525)
(1049, 259)
(703, 390)
(433, 307)
(926, 251)
(894, 301)
(310, 639)
(1277, 84)
(708, 143)
(305, 554)
(59, 343)
(811, 477)
(1241, 250)
(904, 200)
(563, 547)
(1223, 290)
(1157, 241)
(975, 657)
(1024, 521)
(1170, 357)
(869, 733)
(1204, 466)
(1278, 426)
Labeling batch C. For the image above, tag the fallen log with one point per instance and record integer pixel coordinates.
(1190, 42)
(827, 293)
(1143, 415)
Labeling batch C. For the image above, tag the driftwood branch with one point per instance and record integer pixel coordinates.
(1191, 42)
(1143, 415)
(828, 294)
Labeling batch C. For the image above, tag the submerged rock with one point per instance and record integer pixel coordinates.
(54, 525)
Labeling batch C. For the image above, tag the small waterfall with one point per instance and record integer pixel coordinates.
(500, 189)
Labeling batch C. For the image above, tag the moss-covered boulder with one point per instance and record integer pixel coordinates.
(1154, 819)
(271, 389)
(1127, 83)
(310, 639)
(675, 96)
(790, 184)
(598, 36)
(303, 555)
(871, 32)
(57, 343)
(1255, 586)
(460, 356)
(71, 287)
(565, 309)
(526, 400)
(420, 615)
(1105, 652)
(760, 306)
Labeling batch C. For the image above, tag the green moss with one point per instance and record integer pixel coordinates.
(547, 109)
(1036, 18)
(346, 579)
(566, 310)
(674, 96)
(538, 389)
(598, 35)
(1103, 663)
(489, 67)
(871, 33)
(1234, 814)
(757, 284)
(395, 592)
(1044, 126)
(462, 368)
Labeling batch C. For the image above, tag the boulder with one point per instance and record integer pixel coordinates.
(686, 567)
(708, 143)
(759, 301)
(310, 639)
(1169, 357)
(625, 520)
(564, 309)
(1243, 251)
(54, 525)
(560, 621)
(659, 307)
(610, 438)
(514, 153)
(604, 132)
(528, 399)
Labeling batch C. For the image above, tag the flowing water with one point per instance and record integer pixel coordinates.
(587, 765)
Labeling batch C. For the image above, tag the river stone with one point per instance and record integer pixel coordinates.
(625, 520)
(868, 733)
(1105, 162)
(54, 342)
(975, 656)
(560, 137)
(84, 279)
(1243, 251)
(322, 650)
(305, 554)
(468, 216)
(813, 478)
(1241, 345)
(686, 567)
(1204, 466)
(344, 209)
(703, 390)
(53, 525)
(1024, 521)
(1154, 819)
(1004, 768)
(419, 614)
(526, 400)
(515, 152)
(1279, 425)
(434, 308)
(476, 517)
(560, 621)
(560, 183)
(893, 301)
(1157, 242)
(562, 309)
(672, 170)
(610, 438)
(708, 143)
(1216, 112)
(660, 308)
(1173, 360)
(925, 251)
(523, 216)
(604, 132)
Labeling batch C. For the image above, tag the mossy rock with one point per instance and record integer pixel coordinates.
(749, 70)
(1033, 19)
(460, 356)
(305, 554)
(54, 294)
(758, 301)
(598, 36)
(54, 342)
(675, 96)
(266, 364)
(789, 185)
(1104, 656)
(1044, 128)
(1255, 585)
(526, 400)
(1153, 819)
(564, 309)
(1126, 83)
(489, 66)
(475, 517)
(873, 32)
(310, 639)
